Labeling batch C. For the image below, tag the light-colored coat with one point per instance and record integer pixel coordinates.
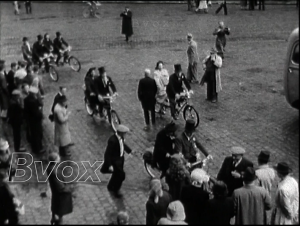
(192, 53)
(218, 64)
(62, 136)
(162, 80)
(287, 202)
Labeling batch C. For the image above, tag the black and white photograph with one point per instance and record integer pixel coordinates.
(149, 112)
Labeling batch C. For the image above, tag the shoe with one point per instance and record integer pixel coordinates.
(146, 128)
(118, 194)
(214, 101)
(43, 194)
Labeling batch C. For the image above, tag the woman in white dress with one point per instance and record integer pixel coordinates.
(202, 6)
(161, 77)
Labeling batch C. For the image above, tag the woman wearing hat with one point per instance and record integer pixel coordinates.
(211, 65)
(175, 215)
(61, 200)
(157, 204)
(286, 209)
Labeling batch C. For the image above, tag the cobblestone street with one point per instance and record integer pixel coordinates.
(251, 112)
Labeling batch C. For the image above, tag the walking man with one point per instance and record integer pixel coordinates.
(211, 66)
(221, 31)
(265, 174)
(147, 90)
(286, 211)
(127, 23)
(250, 201)
(114, 160)
(233, 168)
(192, 54)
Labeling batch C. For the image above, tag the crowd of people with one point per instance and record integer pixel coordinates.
(183, 194)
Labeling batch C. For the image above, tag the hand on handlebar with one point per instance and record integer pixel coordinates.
(210, 157)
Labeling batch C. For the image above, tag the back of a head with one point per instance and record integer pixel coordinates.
(220, 190)
(123, 218)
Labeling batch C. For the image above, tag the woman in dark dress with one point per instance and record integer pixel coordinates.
(177, 176)
(61, 200)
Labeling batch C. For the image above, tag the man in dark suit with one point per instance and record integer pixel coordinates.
(114, 160)
(59, 48)
(62, 92)
(175, 87)
(127, 23)
(34, 117)
(104, 87)
(233, 168)
(147, 90)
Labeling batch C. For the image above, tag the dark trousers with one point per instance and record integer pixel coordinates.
(190, 6)
(59, 56)
(261, 4)
(147, 115)
(172, 106)
(118, 175)
(17, 136)
(297, 3)
(36, 136)
(211, 87)
(222, 6)
(28, 7)
(251, 4)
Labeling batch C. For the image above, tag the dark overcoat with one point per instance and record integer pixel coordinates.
(228, 167)
(127, 23)
(7, 207)
(61, 200)
(175, 85)
(147, 90)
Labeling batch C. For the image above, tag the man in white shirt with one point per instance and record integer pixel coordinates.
(20, 74)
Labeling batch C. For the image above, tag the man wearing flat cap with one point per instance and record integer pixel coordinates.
(251, 202)
(114, 160)
(59, 48)
(175, 88)
(34, 117)
(187, 144)
(104, 87)
(232, 169)
(286, 210)
(265, 174)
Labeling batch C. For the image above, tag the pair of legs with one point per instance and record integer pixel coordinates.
(212, 95)
(147, 112)
(40, 62)
(261, 4)
(56, 220)
(28, 7)
(222, 6)
(118, 175)
(192, 72)
(65, 55)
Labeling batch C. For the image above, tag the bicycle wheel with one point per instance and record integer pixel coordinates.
(88, 108)
(115, 120)
(86, 12)
(74, 63)
(189, 112)
(97, 13)
(53, 73)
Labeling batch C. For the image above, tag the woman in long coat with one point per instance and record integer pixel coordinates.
(161, 77)
(127, 23)
(62, 134)
(4, 94)
(61, 200)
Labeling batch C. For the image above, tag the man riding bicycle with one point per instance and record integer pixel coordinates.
(188, 146)
(39, 53)
(60, 48)
(176, 87)
(104, 87)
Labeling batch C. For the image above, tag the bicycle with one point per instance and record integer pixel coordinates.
(109, 113)
(153, 169)
(52, 71)
(182, 104)
(92, 10)
(69, 59)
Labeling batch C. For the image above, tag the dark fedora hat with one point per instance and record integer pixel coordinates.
(177, 67)
(62, 99)
(190, 125)
(249, 174)
(39, 37)
(101, 70)
(283, 168)
(58, 33)
(264, 155)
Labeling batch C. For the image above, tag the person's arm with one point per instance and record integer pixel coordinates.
(140, 92)
(60, 116)
(216, 31)
(221, 175)
(129, 14)
(150, 216)
(41, 86)
(127, 149)
(186, 83)
(112, 85)
(202, 148)
(284, 204)
(64, 42)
